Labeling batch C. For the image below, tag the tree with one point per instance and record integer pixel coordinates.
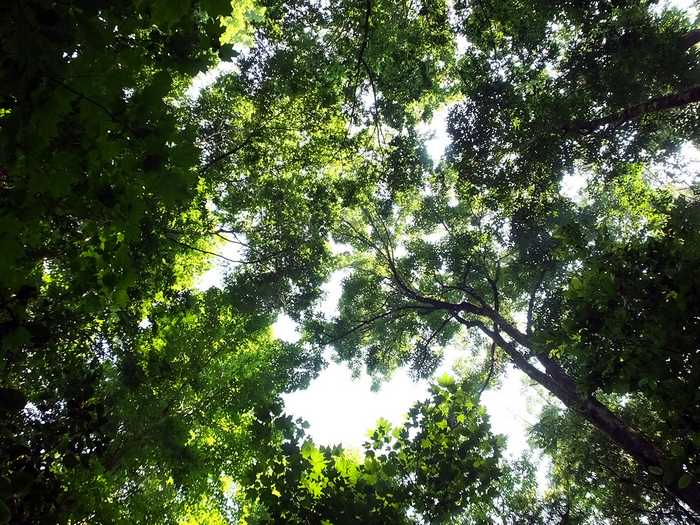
(169, 405)
(117, 381)
(395, 308)
(552, 87)
(487, 238)
(618, 489)
(116, 376)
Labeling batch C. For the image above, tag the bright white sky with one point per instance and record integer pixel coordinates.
(340, 409)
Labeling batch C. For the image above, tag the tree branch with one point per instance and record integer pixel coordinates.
(367, 322)
(201, 250)
(492, 366)
(228, 153)
(653, 105)
(426, 342)
(360, 54)
(91, 100)
(496, 307)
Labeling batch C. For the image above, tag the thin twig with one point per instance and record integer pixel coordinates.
(492, 366)
(92, 101)
(207, 252)
(365, 323)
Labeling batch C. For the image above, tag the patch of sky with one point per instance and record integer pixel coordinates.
(435, 134)
(573, 185)
(690, 7)
(229, 253)
(205, 79)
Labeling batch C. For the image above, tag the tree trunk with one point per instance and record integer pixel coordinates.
(560, 384)
(637, 446)
(690, 39)
(653, 105)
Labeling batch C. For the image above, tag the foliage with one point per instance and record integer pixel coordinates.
(127, 395)
(547, 84)
(486, 243)
(442, 459)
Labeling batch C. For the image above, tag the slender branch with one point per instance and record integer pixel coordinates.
(260, 260)
(531, 303)
(494, 287)
(496, 306)
(387, 233)
(377, 121)
(426, 342)
(207, 252)
(234, 241)
(492, 366)
(230, 152)
(464, 289)
(264, 118)
(364, 239)
(366, 322)
(91, 100)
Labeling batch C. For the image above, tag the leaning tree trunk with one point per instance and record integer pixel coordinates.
(555, 379)
(690, 39)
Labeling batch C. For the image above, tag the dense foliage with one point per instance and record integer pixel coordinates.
(442, 459)
(131, 394)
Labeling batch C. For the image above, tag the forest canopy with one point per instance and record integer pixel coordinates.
(130, 393)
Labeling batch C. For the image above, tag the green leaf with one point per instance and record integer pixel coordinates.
(445, 380)
(684, 481)
(237, 29)
(166, 13)
(657, 471)
(217, 8)
(677, 450)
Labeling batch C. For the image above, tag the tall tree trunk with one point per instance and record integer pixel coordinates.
(653, 105)
(560, 384)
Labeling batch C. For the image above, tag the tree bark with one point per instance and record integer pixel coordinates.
(560, 384)
(653, 105)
